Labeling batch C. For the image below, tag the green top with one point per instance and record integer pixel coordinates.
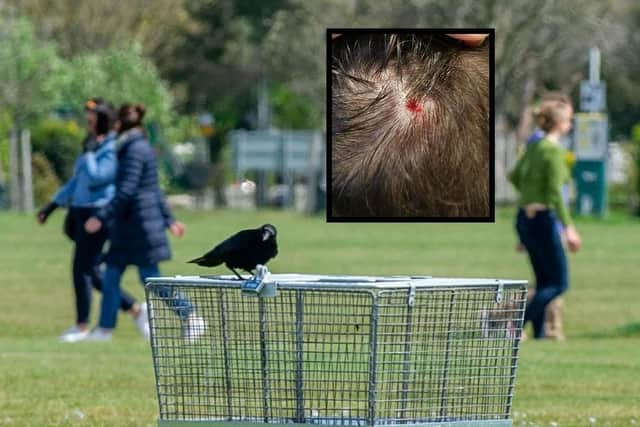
(539, 175)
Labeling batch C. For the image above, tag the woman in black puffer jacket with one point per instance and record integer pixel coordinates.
(139, 216)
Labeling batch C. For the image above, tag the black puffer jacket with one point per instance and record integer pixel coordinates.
(138, 214)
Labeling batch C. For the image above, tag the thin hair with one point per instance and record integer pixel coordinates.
(552, 109)
(410, 127)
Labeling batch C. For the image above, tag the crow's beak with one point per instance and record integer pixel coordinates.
(265, 235)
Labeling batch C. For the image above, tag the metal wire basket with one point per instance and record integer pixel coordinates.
(336, 350)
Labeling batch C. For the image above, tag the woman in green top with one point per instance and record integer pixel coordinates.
(538, 177)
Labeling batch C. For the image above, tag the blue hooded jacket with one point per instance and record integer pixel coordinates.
(93, 180)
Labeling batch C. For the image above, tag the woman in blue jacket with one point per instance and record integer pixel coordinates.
(89, 189)
(140, 216)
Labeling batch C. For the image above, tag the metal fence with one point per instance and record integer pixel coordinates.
(349, 351)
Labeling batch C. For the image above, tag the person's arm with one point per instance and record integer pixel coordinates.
(130, 171)
(556, 176)
(63, 195)
(164, 208)
(175, 227)
(514, 175)
(100, 170)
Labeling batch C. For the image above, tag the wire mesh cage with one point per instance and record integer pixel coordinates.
(330, 350)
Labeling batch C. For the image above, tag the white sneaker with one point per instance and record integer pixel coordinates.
(193, 327)
(73, 334)
(142, 321)
(99, 334)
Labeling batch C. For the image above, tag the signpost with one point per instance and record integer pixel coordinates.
(590, 142)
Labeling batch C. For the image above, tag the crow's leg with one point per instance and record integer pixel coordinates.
(249, 271)
(236, 273)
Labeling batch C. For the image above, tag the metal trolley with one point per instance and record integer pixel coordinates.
(336, 350)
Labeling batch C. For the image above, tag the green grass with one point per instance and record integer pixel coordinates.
(594, 374)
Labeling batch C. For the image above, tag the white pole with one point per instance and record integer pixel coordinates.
(27, 183)
(594, 65)
(14, 170)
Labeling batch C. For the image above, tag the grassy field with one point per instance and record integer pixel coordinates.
(591, 379)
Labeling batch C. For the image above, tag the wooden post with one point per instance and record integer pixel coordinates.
(14, 171)
(27, 183)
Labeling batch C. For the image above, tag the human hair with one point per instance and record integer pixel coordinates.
(130, 116)
(409, 126)
(104, 118)
(550, 113)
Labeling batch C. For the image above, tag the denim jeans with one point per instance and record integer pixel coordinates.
(542, 240)
(111, 294)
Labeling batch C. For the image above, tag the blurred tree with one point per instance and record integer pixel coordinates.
(621, 70)
(539, 45)
(79, 26)
(45, 181)
(26, 65)
(220, 58)
(118, 75)
(635, 139)
(60, 142)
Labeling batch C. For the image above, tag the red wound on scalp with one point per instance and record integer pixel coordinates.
(413, 106)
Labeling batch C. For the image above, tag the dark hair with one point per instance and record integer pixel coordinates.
(410, 126)
(104, 118)
(130, 116)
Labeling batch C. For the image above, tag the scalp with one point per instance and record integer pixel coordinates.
(410, 127)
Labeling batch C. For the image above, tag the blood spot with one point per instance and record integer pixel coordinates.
(413, 106)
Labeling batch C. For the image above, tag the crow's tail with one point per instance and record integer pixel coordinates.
(197, 260)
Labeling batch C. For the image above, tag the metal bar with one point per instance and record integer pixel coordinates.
(263, 359)
(212, 423)
(514, 354)
(299, 379)
(373, 341)
(225, 349)
(152, 339)
(447, 351)
(406, 363)
(346, 284)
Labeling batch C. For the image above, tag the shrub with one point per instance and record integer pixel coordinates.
(45, 181)
(60, 142)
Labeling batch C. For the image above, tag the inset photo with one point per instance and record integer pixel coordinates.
(410, 125)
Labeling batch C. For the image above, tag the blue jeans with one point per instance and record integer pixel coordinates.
(542, 240)
(111, 294)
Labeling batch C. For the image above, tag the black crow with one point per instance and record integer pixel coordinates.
(244, 250)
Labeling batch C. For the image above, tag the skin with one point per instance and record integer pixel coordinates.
(574, 242)
(468, 39)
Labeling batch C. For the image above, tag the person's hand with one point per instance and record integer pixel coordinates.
(177, 229)
(44, 213)
(470, 39)
(93, 225)
(573, 239)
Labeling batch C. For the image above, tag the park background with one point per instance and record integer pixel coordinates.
(206, 68)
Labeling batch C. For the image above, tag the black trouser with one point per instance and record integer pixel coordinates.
(86, 264)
